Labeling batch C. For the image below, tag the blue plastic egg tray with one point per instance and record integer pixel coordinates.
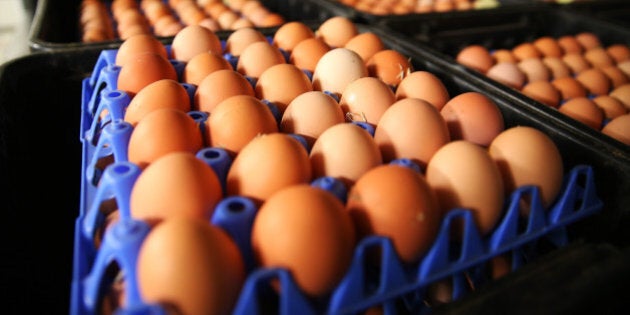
(461, 261)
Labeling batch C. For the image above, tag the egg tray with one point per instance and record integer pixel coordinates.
(397, 286)
(56, 23)
(615, 11)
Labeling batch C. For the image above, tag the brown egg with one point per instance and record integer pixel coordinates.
(588, 40)
(526, 50)
(203, 64)
(619, 52)
(622, 93)
(619, 128)
(215, 9)
(138, 44)
(413, 129)
(611, 106)
(624, 66)
(167, 25)
(474, 117)
(337, 31)
(542, 91)
(310, 114)
(473, 182)
(218, 86)
(241, 38)
(290, 34)
(336, 69)
(503, 55)
(396, 202)
(595, 81)
(307, 53)
(366, 99)
(226, 19)
(534, 69)
(143, 70)
(576, 62)
(583, 110)
(306, 230)
(242, 22)
(423, 85)
(477, 57)
(163, 131)
(557, 67)
(164, 93)
(548, 46)
(616, 76)
(527, 156)
(258, 57)
(390, 66)
(193, 40)
(176, 184)
(281, 83)
(365, 44)
(237, 120)
(202, 273)
(570, 45)
(507, 73)
(598, 57)
(569, 88)
(267, 164)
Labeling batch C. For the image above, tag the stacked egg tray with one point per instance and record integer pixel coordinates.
(399, 289)
(506, 30)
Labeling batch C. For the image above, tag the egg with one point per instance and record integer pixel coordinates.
(569, 88)
(611, 106)
(576, 62)
(258, 57)
(218, 86)
(622, 93)
(344, 151)
(588, 40)
(413, 129)
(548, 46)
(366, 99)
(143, 70)
(583, 110)
(193, 40)
(527, 156)
(396, 202)
(390, 66)
(595, 81)
(619, 129)
(570, 44)
(542, 91)
(624, 66)
(336, 69)
(507, 73)
(199, 66)
(615, 75)
(310, 114)
(365, 44)
(237, 120)
(502, 55)
(557, 67)
(164, 93)
(337, 31)
(306, 230)
(268, 163)
(598, 57)
(176, 184)
(192, 265)
(281, 83)
(476, 57)
(474, 117)
(163, 131)
(463, 175)
(290, 34)
(534, 69)
(307, 53)
(619, 52)
(526, 50)
(140, 43)
(238, 40)
(423, 85)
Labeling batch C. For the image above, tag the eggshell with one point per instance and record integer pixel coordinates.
(595, 81)
(576, 62)
(423, 85)
(569, 88)
(193, 40)
(164, 93)
(268, 163)
(622, 93)
(310, 114)
(583, 110)
(503, 55)
(527, 156)
(237, 120)
(176, 184)
(588, 40)
(598, 57)
(543, 91)
(526, 50)
(290, 34)
(570, 44)
(474, 117)
(281, 83)
(136, 44)
(411, 128)
(463, 175)
(203, 64)
(396, 202)
(242, 22)
(619, 52)
(336, 69)
(258, 57)
(619, 128)
(477, 57)
(611, 106)
(163, 131)
(390, 66)
(307, 53)
(345, 151)
(534, 69)
(143, 70)
(507, 73)
(366, 99)
(625, 67)
(548, 46)
(306, 230)
(616, 76)
(365, 44)
(192, 265)
(238, 40)
(557, 67)
(218, 86)
(337, 31)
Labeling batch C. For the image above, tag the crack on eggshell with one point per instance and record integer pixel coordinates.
(351, 116)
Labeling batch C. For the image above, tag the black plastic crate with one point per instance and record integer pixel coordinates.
(615, 11)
